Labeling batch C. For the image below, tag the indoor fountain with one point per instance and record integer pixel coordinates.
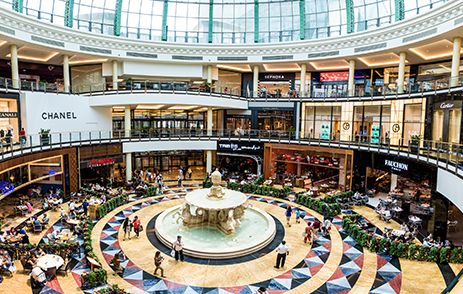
(216, 223)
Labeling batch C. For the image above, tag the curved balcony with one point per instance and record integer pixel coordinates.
(419, 89)
(443, 155)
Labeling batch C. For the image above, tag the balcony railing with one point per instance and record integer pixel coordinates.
(445, 155)
(418, 88)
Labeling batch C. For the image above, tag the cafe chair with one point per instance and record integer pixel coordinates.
(38, 228)
(386, 216)
(27, 268)
(64, 268)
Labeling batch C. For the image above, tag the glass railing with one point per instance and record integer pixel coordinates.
(443, 154)
(150, 86)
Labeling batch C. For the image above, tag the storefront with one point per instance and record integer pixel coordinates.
(393, 122)
(273, 84)
(9, 115)
(446, 120)
(325, 170)
(102, 164)
(407, 183)
(238, 159)
(147, 117)
(168, 161)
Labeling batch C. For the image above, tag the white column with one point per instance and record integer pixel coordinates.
(66, 75)
(115, 74)
(14, 66)
(351, 85)
(255, 81)
(208, 161)
(401, 74)
(128, 167)
(209, 74)
(455, 73)
(127, 122)
(209, 121)
(298, 121)
(303, 90)
(393, 181)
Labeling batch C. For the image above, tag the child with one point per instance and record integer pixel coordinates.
(298, 215)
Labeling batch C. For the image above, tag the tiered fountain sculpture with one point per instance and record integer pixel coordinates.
(216, 223)
(216, 209)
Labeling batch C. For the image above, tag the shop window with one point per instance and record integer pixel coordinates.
(412, 121)
(275, 120)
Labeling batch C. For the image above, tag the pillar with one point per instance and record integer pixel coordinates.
(66, 75)
(209, 121)
(393, 181)
(298, 121)
(128, 167)
(455, 73)
(401, 74)
(303, 90)
(115, 74)
(209, 75)
(14, 66)
(351, 84)
(208, 161)
(127, 122)
(255, 81)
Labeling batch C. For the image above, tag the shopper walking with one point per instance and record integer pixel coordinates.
(136, 226)
(282, 251)
(22, 136)
(157, 263)
(190, 173)
(298, 215)
(308, 233)
(178, 249)
(288, 213)
(127, 227)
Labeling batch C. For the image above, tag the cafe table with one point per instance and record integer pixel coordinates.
(50, 263)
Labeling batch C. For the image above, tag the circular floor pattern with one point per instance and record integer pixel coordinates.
(292, 278)
(387, 279)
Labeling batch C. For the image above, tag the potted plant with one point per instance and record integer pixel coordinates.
(44, 136)
(415, 143)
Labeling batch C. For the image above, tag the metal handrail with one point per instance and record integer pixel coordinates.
(419, 88)
(441, 154)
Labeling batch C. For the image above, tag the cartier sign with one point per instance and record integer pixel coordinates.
(448, 104)
(8, 114)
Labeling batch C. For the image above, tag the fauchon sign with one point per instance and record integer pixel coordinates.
(396, 166)
(59, 115)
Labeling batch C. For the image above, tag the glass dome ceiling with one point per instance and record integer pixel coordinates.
(223, 21)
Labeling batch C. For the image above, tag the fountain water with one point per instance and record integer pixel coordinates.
(216, 223)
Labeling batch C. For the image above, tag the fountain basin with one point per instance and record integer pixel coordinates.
(256, 231)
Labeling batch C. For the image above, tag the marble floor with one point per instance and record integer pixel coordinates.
(332, 264)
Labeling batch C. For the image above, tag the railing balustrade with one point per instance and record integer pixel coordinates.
(178, 87)
(445, 155)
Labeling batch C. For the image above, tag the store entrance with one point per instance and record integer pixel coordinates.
(169, 162)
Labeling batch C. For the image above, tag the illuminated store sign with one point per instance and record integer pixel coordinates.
(240, 147)
(100, 162)
(8, 115)
(396, 166)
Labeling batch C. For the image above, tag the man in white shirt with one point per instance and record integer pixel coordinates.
(178, 248)
(282, 251)
(38, 279)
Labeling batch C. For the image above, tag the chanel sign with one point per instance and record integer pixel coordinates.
(8, 115)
